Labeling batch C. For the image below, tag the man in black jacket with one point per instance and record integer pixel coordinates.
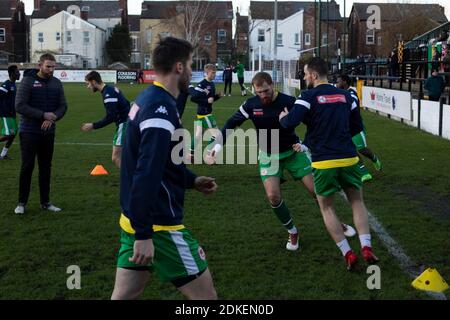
(41, 102)
(227, 78)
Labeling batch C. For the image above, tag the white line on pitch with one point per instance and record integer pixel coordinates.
(406, 263)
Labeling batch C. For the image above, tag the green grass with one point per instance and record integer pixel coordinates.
(244, 242)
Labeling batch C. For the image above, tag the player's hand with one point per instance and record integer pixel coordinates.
(283, 113)
(210, 100)
(205, 185)
(210, 158)
(143, 252)
(46, 125)
(87, 127)
(297, 147)
(50, 116)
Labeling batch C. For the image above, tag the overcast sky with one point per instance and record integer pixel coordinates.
(134, 6)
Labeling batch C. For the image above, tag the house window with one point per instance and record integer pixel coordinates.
(307, 39)
(2, 35)
(40, 37)
(147, 61)
(296, 38)
(279, 39)
(379, 41)
(69, 36)
(148, 35)
(86, 37)
(370, 36)
(261, 35)
(221, 36)
(163, 35)
(134, 43)
(110, 31)
(58, 36)
(324, 38)
(207, 39)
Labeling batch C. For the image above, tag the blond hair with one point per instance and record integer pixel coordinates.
(210, 66)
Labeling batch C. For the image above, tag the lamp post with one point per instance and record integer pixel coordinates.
(275, 29)
(344, 39)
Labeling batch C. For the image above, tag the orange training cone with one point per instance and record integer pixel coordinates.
(99, 171)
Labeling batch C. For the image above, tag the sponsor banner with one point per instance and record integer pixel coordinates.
(198, 76)
(393, 102)
(149, 76)
(127, 76)
(108, 76)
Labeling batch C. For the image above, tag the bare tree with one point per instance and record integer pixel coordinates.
(191, 19)
(195, 22)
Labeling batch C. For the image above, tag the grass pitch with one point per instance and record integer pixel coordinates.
(243, 240)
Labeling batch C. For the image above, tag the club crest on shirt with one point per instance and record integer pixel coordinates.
(37, 84)
(201, 253)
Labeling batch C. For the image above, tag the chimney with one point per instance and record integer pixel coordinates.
(84, 13)
(14, 4)
(55, 10)
(37, 4)
(123, 4)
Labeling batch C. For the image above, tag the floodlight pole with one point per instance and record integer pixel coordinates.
(344, 40)
(275, 29)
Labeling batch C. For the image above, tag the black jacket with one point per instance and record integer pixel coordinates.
(36, 96)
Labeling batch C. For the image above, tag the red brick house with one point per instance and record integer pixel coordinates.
(399, 22)
(13, 32)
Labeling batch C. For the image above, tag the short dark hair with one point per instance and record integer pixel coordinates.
(47, 56)
(345, 78)
(260, 78)
(169, 51)
(94, 75)
(318, 65)
(12, 70)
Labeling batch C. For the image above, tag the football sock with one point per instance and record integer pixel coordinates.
(4, 152)
(365, 240)
(283, 214)
(344, 246)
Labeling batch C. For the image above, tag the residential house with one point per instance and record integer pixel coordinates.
(74, 41)
(134, 22)
(206, 24)
(398, 22)
(103, 14)
(13, 32)
(241, 40)
(297, 26)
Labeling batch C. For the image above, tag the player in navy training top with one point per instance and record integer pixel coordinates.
(332, 118)
(153, 185)
(117, 108)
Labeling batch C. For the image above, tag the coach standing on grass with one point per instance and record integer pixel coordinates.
(41, 102)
